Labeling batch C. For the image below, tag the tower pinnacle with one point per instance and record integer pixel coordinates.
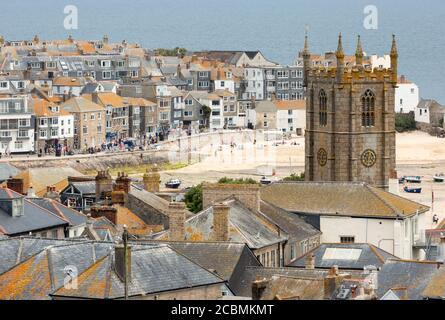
(340, 53)
(359, 52)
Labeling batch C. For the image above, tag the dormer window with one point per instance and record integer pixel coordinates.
(51, 64)
(105, 63)
(35, 65)
(55, 108)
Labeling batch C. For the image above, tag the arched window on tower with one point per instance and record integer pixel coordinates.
(323, 114)
(368, 109)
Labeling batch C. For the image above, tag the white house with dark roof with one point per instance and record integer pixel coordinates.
(354, 212)
(21, 216)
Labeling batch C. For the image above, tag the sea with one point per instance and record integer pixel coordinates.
(275, 27)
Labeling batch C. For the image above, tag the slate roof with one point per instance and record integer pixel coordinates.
(74, 217)
(16, 250)
(90, 88)
(353, 199)
(345, 256)
(412, 275)
(84, 187)
(290, 223)
(245, 227)
(153, 269)
(226, 259)
(36, 277)
(250, 274)
(436, 287)
(34, 218)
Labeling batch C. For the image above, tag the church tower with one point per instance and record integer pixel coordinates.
(350, 129)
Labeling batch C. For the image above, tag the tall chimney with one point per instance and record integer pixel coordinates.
(104, 185)
(221, 214)
(152, 180)
(16, 184)
(51, 193)
(123, 182)
(258, 287)
(122, 261)
(331, 282)
(176, 214)
(95, 97)
(309, 263)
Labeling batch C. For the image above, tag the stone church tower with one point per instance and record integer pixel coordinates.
(350, 129)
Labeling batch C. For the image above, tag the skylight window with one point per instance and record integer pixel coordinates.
(342, 254)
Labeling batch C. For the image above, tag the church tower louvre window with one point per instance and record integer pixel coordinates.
(323, 108)
(368, 109)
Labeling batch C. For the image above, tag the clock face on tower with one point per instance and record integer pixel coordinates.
(322, 157)
(368, 158)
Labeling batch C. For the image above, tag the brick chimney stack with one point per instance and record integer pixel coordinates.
(258, 287)
(309, 263)
(332, 281)
(152, 180)
(123, 182)
(221, 214)
(176, 214)
(95, 97)
(16, 185)
(51, 193)
(104, 211)
(104, 185)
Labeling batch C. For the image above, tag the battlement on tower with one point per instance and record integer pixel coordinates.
(351, 74)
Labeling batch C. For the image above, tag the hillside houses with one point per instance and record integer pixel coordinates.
(175, 91)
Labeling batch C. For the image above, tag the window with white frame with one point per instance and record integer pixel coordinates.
(5, 134)
(188, 113)
(24, 122)
(283, 74)
(54, 132)
(43, 122)
(203, 84)
(42, 133)
(4, 107)
(105, 63)
(106, 74)
(18, 145)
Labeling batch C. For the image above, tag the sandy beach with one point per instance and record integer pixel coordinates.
(417, 154)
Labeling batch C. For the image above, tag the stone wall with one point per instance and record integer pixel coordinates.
(176, 151)
(150, 208)
(248, 194)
